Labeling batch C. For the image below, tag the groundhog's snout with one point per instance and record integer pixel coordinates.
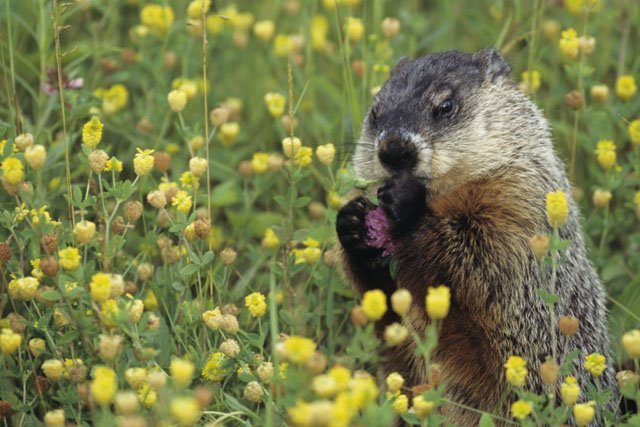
(397, 154)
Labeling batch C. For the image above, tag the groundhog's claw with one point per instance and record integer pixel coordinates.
(350, 226)
(404, 200)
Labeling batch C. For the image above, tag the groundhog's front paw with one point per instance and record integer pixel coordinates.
(352, 232)
(404, 200)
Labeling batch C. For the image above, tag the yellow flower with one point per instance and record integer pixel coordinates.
(92, 132)
(100, 287)
(198, 166)
(177, 100)
(291, 146)
(374, 304)
(150, 301)
(23, 289)
(530, 81)
(12, 170)
(147, 396)
(113, 164)
(626, 87)
(634, 131)
(143, 162)
(584, 413)
(9, 341)
(157, 18)
(53, 369)
(229, 132)
(569, 43)
(35, 156)
(311, 255)
(557, 208)
(84, 231)
(264, 30)
(606, 154)
(394, 382)
(570, 390)
(181, 371)
(260, 162)
(516, 370)
(282, 45)
(135, 377)
(326, 153)
(185, 410)
(299, 349)
(196, 7)
(54, 418)
(422, 406)
(401, 404)
(521, 409)
(69, 258)
(275, 103)
(104, 385)
(37, 346)
(595, 364)
(577, 7)
(110, 312)
(438, 301)
(213, 370)
(182, 201)
(354, 29)
(270, 239)
(341, 375)
(188, 180)
(631, 343)
(303, 156)
(255, 303)
(113, 99)
(319, 31)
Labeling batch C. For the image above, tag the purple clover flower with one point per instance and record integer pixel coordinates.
(377, 230)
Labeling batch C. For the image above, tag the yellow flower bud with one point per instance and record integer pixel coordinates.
(438, 302)
(374, 304)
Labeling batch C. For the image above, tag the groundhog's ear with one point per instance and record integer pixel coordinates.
(401, 63)
(493, 64)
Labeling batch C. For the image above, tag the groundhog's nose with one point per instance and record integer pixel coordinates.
(397, 154)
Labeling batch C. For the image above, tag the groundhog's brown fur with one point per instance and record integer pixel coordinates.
(477, 182)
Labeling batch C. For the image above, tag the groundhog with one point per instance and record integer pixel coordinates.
(465, 161)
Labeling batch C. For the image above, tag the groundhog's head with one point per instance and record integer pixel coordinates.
(438, 116)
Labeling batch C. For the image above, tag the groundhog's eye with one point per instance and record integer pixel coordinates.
(444, 109)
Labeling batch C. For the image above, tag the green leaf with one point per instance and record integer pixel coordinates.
(225, 194)
(486, 421)
(51, 295)
(548, 297)
(189, 269)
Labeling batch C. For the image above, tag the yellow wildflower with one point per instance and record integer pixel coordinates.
(92, 132)
(100, 287)
(516, 371)
(213, 370)
(557, 208)
(595, 364)
(53, 369)
(530, 81)
(35, 156)
(157, 18)
(354, 29)
(181, 371)
(631, 343)
(143, 162)
(270, 239)
(521, 409)
(113, 99)
(394, 382)
(584, 413)
(182, 201)
(197, 7)
(260, 162)
(177, 100)
(319, 31)
(374, 304)
(147, 395)
(150, 301)
(578, 7)
(570, 390)
(104, 385)
(299, 349)
(626, 87)
(401, 404)
(113, 164)
(135, 377)
(9, 341)
(275, 103)
(303, 156)
(255, 303)
(264, 30)
(12, 170)
(185, 410)
(326, 153)
(437, 302)
(23, 289)
(69, 258)
(422, 406)
(228, 134)
(606, 154)
(569, 43)
(634, 131)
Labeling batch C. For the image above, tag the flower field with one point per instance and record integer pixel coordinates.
(171, 173)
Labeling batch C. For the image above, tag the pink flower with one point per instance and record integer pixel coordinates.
(377, 227)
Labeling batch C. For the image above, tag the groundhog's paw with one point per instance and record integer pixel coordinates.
(350, 226)
(404, 200)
